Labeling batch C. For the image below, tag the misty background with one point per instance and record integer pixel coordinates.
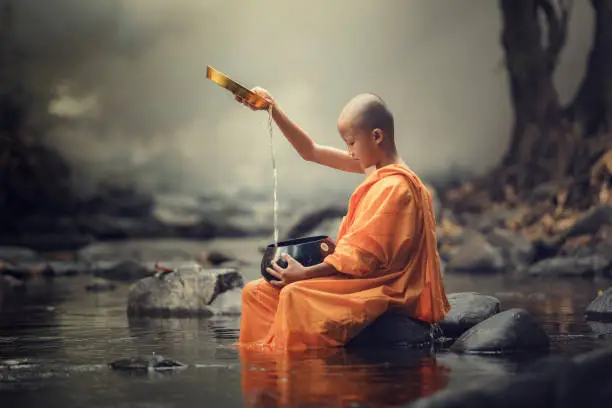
(121, 90)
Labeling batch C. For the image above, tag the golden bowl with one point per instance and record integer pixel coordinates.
(237, 89)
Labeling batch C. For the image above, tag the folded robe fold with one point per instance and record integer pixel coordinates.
(386, 253)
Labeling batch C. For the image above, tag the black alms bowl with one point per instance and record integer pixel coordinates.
(308, 251)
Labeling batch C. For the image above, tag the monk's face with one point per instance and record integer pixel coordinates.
(361, 145)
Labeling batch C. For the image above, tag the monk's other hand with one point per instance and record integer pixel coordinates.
(294, 272)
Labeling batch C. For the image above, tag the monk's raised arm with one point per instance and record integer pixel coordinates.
(306, 147)
(311, 151)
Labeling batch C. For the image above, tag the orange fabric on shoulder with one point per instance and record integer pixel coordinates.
(386, 251)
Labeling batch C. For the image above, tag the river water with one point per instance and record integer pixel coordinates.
(55, 347)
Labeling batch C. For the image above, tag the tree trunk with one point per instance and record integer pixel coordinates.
(550, 142)
(591, 109)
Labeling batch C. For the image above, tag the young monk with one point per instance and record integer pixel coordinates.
(386, 256)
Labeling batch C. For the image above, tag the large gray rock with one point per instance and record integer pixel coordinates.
(188, 291)
(588, 266)
(601, 307)
(513, 330)
(467, 310)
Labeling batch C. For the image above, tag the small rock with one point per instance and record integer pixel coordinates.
(188, 291)
(476, 255)
(467, 310)
(601, 307)
(513, 330)
(100, 285)
(570, 266)
(154, 363)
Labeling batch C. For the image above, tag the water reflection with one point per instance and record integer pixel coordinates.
(339, 377)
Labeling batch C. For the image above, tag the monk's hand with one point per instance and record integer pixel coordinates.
(257, 91)
(294, 272)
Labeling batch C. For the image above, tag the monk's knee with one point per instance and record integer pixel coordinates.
(250, 290)
(289, 292)
(258, 290)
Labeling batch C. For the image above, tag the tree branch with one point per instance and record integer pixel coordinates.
(557, 27)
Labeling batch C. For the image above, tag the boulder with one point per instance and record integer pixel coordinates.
(186, 291)
(510, 331)
(467, 310)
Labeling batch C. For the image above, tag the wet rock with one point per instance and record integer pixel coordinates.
(516, 249)
(570, 266)
(591, 221)
(476, 255)
(307, 224)
(100, 285)
(188, 291)
(513, 330)
(601, 307)
(390, 329)
(556, 382)
(467, 310)
(143, 363)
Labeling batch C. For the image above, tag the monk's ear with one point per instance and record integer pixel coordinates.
(378, 136)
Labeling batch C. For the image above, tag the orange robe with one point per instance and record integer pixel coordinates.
(386, 253)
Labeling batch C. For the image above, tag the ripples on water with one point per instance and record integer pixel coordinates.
(54, 352)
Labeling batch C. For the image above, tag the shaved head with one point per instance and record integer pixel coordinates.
(367, 112)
